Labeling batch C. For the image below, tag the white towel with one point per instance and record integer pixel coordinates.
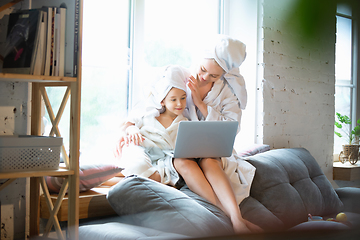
(174, 76)
(229, 53)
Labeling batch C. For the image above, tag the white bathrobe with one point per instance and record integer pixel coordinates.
(154, 153)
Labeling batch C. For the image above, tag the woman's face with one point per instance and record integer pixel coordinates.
(209, 71)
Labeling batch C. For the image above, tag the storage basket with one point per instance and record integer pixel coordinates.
(26, 153)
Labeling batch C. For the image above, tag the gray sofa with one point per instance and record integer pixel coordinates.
(288, 185)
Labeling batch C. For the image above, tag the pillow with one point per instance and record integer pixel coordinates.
(90, 175)
(144, 202)
(252, 150)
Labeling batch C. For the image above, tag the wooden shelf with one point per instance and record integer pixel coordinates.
(13, 77)
(37, 173)
(346, 171)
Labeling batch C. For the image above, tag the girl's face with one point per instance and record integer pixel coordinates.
(174, 102)
(209, 71)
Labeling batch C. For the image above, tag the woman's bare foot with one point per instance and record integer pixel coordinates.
(240, 226)
(253, 227)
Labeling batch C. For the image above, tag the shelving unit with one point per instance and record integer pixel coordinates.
(71, 172)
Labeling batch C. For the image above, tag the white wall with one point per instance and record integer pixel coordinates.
(293, 74)
(298, 79)
(14, 116)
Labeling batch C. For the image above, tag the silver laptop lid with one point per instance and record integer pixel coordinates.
(199, 139)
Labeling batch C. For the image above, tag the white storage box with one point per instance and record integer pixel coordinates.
(27, 153)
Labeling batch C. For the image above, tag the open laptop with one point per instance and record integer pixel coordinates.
(199, 139)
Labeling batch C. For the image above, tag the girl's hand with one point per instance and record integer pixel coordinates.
(193, 84)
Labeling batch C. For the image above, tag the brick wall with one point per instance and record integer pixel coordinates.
(298, 77)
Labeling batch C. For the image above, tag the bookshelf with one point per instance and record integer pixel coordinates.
(71, 172)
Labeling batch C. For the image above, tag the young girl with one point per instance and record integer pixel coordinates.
(149, 139)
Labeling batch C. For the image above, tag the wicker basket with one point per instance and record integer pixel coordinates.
(26, 153)
(350, 153)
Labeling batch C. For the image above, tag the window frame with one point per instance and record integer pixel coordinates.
(354, 81)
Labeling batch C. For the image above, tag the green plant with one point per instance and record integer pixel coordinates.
(351, 135)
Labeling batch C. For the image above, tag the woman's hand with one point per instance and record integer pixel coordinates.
(118, 148)
(133, 136)
(129, 133)
(193, 84)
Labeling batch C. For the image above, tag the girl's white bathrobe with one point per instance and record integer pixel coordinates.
(154, 153)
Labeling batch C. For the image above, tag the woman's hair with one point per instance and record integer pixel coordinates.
(216, 63)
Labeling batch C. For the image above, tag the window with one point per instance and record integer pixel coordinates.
(345, 69)
(167, 32)
(123, 45)
(104, 79)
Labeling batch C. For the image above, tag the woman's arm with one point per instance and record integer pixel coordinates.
(128, 133)
(224, 108)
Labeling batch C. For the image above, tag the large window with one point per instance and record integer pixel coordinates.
(123, 46)
(345, 69)
(104, 95)
(168, 32)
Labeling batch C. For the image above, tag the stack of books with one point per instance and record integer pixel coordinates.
(42, 42)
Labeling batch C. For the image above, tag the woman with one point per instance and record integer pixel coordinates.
(217, 92)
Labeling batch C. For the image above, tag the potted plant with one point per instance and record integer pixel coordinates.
(350, 150)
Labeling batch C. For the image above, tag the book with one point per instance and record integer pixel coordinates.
(70, 32)
(22, 36)
(62, 41)
(40, 47)
(59, 42)
(76, 37)
(56, 43)
(52, 42)
(48, 11)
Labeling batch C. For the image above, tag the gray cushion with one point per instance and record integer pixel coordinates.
(156, 206)
(121, 231)
(288, 185)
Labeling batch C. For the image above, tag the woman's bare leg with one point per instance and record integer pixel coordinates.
(195, 179)
(156, 177)
(219, 181)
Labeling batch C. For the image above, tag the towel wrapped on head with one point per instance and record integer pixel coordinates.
(173, 76)
(230, 53)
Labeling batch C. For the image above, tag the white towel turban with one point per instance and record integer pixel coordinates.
(229, 53)
(173, 76)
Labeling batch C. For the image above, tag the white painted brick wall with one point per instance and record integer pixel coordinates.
(14, 110)
(298, 87)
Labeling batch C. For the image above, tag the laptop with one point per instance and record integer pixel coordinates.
(199, 139)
